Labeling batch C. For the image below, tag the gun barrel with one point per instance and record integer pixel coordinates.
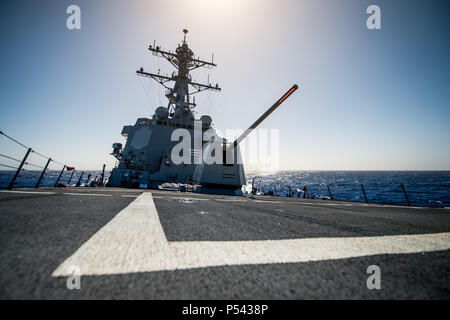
(265, 115)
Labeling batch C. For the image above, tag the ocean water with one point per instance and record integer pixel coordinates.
(423, 188)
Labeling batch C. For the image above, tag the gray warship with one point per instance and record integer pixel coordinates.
(147, 159)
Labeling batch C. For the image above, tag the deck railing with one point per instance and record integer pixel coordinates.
(410, 194)
(40, 170)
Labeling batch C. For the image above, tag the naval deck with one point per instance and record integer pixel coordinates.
(152, 244)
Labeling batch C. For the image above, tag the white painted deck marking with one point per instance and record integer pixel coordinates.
(232, 200)
(134, 241)
(359, 204)
(86, 194)
(31, 192)
(110, 189)
(187, 198)
(265, 201)
(248, 201)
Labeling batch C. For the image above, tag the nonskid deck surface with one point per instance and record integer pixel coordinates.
(170, 245)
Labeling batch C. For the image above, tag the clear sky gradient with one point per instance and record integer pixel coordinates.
(368, 99)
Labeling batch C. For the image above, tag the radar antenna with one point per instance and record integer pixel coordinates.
(178, 84)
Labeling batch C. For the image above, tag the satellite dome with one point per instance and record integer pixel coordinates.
(162, 113)
(207, 120)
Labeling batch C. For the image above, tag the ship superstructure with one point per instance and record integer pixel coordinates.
(174, 146)
(147, 158)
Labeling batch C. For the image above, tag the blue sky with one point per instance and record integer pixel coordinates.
(368, 99)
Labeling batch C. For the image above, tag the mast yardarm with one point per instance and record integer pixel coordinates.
(179, 83)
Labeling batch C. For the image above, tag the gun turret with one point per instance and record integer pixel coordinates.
(265, 115)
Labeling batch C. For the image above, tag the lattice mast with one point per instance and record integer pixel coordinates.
(184, 61)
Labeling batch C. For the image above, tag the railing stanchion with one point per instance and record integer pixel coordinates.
(404, 192)
(329, 192)
(60, 174)
(11, 184)
(103, 176)
(68, 182)
(43, 172)
(364, 192)
(79, 180)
